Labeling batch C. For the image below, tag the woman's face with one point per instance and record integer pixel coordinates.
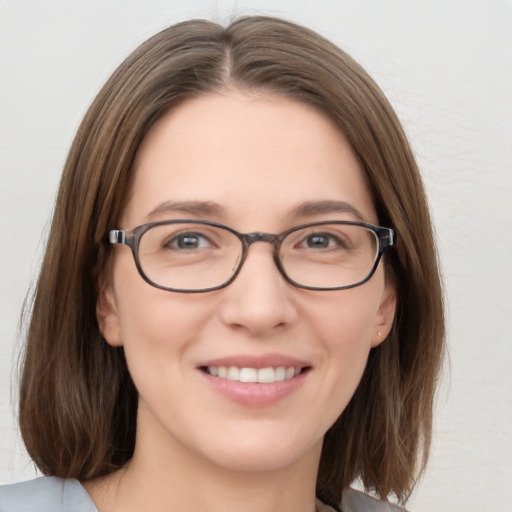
(251, 162)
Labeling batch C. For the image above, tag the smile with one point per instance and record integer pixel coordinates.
(267, 375)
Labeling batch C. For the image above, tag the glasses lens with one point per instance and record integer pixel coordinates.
(329, 255)
(189, 256)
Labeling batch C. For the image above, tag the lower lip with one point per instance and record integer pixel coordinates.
(250, 394)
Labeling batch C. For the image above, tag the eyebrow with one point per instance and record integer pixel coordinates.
(312, 208)
(196, 208)
(210, 208)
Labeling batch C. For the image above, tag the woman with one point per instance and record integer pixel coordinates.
(274, 328)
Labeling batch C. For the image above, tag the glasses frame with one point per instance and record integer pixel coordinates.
(385, 236)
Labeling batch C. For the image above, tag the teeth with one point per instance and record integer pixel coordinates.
(248, 375)
(266, 375)
(280, 373)
(260, 375)
(233, 373)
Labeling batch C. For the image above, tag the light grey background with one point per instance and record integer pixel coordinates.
(446, 65)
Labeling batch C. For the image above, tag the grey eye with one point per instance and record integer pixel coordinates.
(188, 240)
(322, 241)
(317, 241)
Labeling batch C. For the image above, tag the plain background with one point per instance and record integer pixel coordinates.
(446, 66)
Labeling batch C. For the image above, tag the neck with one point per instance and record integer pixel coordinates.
(185, 490)
(161, 478)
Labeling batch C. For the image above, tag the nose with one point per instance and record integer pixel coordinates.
(259, 300)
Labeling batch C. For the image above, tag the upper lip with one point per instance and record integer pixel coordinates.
(260, 361)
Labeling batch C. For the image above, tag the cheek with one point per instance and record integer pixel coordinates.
(344, 331)
(148, 314)
(348, 343)
(346, 320)
(164, 324)
(156, 326)
(159, 337)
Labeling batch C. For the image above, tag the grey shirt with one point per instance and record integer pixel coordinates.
(51, 494)
(46, 494)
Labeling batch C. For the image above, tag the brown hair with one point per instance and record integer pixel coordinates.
(78, 404)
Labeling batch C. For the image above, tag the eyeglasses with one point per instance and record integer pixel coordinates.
(199, 256)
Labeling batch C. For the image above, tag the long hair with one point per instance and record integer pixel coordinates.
(78, 404)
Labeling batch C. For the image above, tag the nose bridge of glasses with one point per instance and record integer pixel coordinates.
(251, 238)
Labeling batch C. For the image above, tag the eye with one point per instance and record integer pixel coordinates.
(188, 240)
(322, 241)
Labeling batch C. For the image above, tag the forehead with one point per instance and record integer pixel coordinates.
(256, 155)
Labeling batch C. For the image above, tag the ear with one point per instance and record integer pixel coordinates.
(385, 316)
(107, 315)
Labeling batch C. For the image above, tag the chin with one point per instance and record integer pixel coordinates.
(257, 455)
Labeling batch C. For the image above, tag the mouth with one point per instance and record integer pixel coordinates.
(268, 375)
(256, 381)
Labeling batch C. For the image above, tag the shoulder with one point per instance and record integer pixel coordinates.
(356, 501)
(45, 494)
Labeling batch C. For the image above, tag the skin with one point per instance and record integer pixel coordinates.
(257, 156)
